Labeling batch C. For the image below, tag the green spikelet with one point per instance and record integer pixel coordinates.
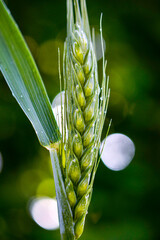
(79, 226)
(71, 193)
(80, 208)
(83, 184)
(85, 111)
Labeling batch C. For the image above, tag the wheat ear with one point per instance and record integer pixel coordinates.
(85, 110)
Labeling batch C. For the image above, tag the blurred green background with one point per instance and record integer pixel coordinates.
(125, 204)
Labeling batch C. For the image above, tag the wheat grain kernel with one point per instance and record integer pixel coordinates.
(88, 63)
(80, 74)
(79, 121)
(89, 87)
(71, 193)
(77, 146)
(83, 185)
(80, 208)
(80, 97)
(86, 160)
(88, 136)
(74, 170)
(78, 53)
(79, 226)
(82, 39)
(89, 112)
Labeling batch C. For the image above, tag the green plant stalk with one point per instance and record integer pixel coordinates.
(64, 209)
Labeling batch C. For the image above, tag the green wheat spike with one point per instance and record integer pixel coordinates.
(85, 111)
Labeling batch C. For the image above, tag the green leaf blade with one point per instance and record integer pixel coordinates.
(24, 80)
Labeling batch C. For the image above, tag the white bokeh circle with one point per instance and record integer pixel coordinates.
(98, 43)
(59, 112)
(117, 151)
(44, 212)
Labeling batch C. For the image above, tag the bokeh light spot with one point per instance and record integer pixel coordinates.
(98, 44)
(44, 212)
(47, 56)
(59, 99)
(29, 180)
(46, 188)
(58, 110)
(33, 46)
(118, 151)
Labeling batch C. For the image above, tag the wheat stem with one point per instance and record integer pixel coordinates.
(64, 209)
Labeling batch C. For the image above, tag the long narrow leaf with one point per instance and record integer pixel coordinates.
(22, 76)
